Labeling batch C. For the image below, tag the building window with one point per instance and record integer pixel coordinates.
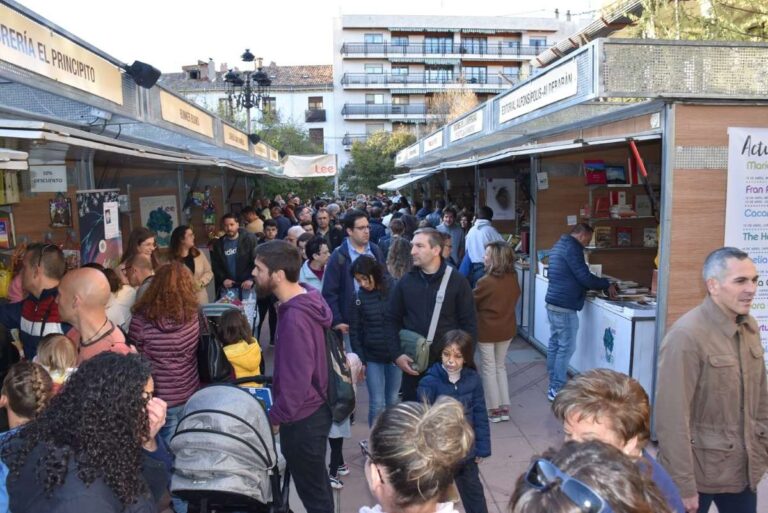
(374, 99)
(400, 40)
(399, 70)
(193, 74)
(401, 99)
(540, 43)
(513, 44)
(373, 38)
(438, 44)
(316, 136)
(372, 128)
(475, 74)
(315, 103)
(374, 69)
(478, 45)
(438, 74)
(511, 71)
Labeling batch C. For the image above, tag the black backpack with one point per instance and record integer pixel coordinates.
(341, 392)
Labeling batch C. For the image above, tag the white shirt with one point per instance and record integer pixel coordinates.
(478, 236)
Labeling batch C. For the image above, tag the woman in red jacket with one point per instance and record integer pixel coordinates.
(165, 328)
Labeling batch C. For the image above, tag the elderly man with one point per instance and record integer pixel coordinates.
(712, 397)
(82, 300)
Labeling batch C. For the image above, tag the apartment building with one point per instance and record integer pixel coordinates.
(386, 69)
(300, 94)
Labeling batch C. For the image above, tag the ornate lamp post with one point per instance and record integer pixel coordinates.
(246, 89)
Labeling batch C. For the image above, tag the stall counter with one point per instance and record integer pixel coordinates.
(611, 335)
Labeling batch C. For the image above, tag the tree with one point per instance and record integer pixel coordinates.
(373, 161)
(446, 106)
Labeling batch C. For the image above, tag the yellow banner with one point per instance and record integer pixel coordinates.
(29, 45)
(235, 137)
(261, 150)
(273, 155)
(179, 112)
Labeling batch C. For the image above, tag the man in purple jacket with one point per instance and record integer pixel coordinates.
(300, 381)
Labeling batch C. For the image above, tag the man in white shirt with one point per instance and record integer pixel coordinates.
(478, 236)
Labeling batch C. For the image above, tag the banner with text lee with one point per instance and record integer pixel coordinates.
(746, 211)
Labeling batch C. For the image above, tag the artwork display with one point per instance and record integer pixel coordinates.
(60, 211)
(94, 245)
(160, 215)
(500, 196)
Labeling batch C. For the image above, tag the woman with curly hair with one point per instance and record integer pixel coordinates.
(399, 259)
(94, 448)
(182, 248)
(140, 241)
(165, 328)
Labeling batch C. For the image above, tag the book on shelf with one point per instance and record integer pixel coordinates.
(633, 173)
(602, 237)
(594, 172)
(623, 236)
(5, 232)
(618, 197)
(650, 237)
(643, 205)
(615, 175)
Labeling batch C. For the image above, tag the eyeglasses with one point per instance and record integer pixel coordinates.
(543, 475)
(363, 228)
(42, 252)
(367, 454)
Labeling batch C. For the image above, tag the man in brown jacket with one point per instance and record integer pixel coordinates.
(712, 398)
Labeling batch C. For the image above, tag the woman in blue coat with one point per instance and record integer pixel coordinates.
(455, 376)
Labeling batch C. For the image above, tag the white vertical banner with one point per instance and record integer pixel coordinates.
(746, 209)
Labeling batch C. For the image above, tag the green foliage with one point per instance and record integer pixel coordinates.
(373, 161)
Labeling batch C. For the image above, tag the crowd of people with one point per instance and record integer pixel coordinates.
(423, 302)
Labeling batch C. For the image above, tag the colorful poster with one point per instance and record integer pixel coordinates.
(159, 214)
(111, 221)
(746, 210)
(94, 246)
(500, 196)
(60, 211)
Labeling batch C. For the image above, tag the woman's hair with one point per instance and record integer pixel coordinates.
(28, 388)
(177, 236)
(463, 341)
(99, 420)
(399, 259)
(115, 283)
(135, 239)
(171, 295)
(502, 258)
(233, 327)
(56, 352)
(420, 447)
(370, 268)
(606, 470)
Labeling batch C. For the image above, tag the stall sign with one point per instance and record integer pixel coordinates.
(48, 178)
(433, 142)
(274, 156)
(235, 138)
(400, 158)
(34, 47)
(177, 111)
(552, 86)
(467, 126)
(310, 166)
(411, 152)
(261, 150)
(746, 209)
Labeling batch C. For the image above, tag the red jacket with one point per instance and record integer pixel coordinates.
(172, 351)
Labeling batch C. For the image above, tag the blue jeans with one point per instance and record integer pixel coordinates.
(742, 502)
(476, 272)
(563, 327)
(172, 418)
(383, 381)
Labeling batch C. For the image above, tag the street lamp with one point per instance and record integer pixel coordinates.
(246, 89)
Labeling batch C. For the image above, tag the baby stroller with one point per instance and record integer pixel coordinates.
(226, 455)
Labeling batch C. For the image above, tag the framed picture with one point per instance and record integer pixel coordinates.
(60, 211)
(615, 175)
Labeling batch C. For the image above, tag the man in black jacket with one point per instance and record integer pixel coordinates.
(232, 256)
(412, 302)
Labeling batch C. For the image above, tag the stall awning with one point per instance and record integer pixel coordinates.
(13, 160)
(401, 181)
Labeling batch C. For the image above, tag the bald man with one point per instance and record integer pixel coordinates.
(82, 300)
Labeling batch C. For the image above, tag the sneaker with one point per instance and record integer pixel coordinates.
(551, 394)
(504, 414)
(494, 416)
(336, 483)
(343, 470)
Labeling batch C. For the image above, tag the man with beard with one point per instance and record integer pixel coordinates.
(300, 380)
(232, 256)
(327, 230)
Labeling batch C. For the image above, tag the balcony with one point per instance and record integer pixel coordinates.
(314, 116)
(349, 139)
(383, 111)
(493, 51)
(421, 81)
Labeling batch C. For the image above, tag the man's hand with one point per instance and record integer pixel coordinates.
(228, 284)
(247, 284)
(156, 410)
(344, 328)
(404, 362)
(613, 291)
(691, 504)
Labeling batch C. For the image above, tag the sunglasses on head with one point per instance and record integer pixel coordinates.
(543, 475)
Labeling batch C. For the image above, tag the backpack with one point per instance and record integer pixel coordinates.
(341, 392)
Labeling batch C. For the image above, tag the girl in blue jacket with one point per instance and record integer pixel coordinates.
(455, 376)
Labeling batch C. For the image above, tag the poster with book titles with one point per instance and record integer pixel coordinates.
(746, 209)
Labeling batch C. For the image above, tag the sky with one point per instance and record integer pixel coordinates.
(171, 33)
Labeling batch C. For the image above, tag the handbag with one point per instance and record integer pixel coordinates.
(415, 345)
(212, 363)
